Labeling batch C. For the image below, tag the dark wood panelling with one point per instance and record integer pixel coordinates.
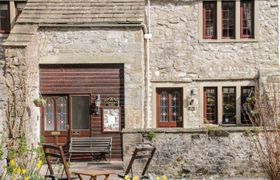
(106, 80)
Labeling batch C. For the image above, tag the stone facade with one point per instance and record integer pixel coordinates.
(197, 153)
(101, 46)
(181, 58)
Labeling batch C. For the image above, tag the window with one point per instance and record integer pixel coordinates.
(80, 112)
(228, 19)
(229, 105)
(210, 105)
(55, 113)
(19, 8)
(169, 107)
(247, 18)
(224, 104)
(4, 17)
(246, 92)
(209, 20)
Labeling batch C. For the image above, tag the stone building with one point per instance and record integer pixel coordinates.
(125, 68)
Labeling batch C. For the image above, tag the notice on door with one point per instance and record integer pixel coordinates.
(111, 119)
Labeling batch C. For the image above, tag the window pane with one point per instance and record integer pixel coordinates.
(228, 19)
(210, 105)
(163, 106)
(246, 94)
(247, 18)
(229, 105)
(209, 19)
(80, 112)
(49, 114)
(61, 108)
(4, 18)
(176, 106)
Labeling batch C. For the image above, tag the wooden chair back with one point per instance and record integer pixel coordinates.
(142, 151)
(56, 152)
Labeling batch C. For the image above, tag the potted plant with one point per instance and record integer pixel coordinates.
(39, 102)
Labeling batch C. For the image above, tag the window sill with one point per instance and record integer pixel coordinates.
(4, 35)
(245, 40)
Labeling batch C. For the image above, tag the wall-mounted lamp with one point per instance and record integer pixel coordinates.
(97, 103)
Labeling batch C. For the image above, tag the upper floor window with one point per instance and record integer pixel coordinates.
(247, 18)
(4, 17)
(209, 20)
(228, 19)
(221, 19)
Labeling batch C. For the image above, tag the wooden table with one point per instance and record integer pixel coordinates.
(93, 173)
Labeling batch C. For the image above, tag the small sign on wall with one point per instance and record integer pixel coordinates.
(111, 118)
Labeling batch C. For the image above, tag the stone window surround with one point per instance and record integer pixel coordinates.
(219, 24)
(12, 11)
(220, 85)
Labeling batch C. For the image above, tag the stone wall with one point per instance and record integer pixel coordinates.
(178, 54)
(198, 152)
(101, 46)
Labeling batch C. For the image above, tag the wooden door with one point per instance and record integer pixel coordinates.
(55, 121)
(80, 116)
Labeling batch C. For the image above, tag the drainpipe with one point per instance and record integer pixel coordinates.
(148, 37)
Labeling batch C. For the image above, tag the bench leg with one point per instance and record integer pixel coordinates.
(107, 177)
(93, 178)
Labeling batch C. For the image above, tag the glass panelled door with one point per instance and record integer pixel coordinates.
(80, 115)
(55, 119)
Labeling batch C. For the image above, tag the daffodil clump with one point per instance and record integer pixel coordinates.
(16, 171)
(136, 178)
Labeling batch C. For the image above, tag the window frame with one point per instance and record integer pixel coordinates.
(242, 19)
(233, 19)
(205, 120)
(204, 20)
(223, 105)
(237, 35)
(169, 123)
(6, 31)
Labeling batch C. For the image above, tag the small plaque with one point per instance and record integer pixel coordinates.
(111, 101)
(55, 133)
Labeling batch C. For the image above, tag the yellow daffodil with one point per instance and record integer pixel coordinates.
(26, 178)
(23, 171)
(12, 163)
(18, 170)
(135, 178)
(163, 178)
(14, 178)
(39, 164)
(157, 178)
(126, 177)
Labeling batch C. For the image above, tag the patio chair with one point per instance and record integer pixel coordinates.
(142, 151)
(56, 154)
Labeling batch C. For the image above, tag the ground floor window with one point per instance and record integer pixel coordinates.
(210, 105)
(228, 103)
(169, 107)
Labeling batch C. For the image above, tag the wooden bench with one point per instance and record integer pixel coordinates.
(96, 146)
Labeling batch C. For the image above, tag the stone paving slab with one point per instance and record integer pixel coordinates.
(118, 167)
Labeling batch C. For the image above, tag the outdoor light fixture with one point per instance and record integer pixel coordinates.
(97, 103)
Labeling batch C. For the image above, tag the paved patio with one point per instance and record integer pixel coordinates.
(114, 165)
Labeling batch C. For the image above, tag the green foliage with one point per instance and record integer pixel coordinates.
(150, 135)
(1, 152)
(39, 101)
(247, 132)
